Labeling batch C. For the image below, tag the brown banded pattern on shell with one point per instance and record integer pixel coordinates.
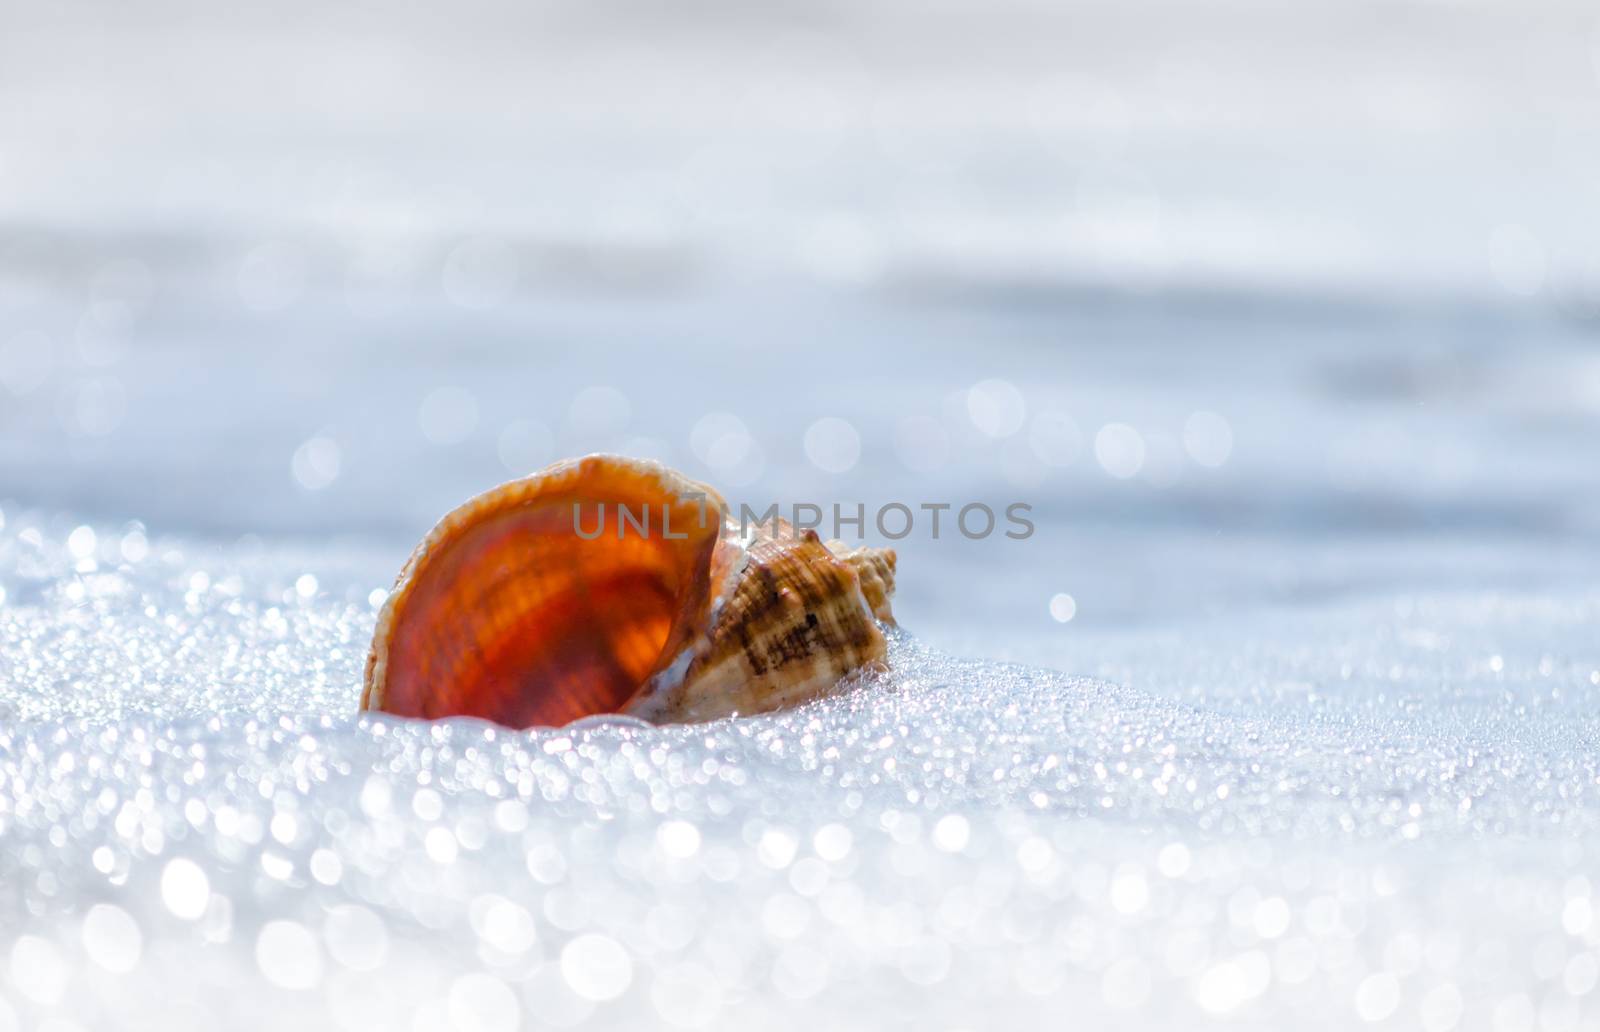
(507, 612)
(793, 622)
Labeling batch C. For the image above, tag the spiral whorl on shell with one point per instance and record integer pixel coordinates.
(615, 585)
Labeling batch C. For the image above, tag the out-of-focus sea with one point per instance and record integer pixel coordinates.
(1282, 320)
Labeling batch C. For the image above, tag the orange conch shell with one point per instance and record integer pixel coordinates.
(614, 585)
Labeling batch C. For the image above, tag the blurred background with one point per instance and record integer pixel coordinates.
(1253, 303)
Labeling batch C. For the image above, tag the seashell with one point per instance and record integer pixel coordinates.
(615, 585)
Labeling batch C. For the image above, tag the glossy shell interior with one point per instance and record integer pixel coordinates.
(508, 613)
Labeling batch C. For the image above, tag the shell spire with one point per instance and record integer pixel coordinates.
(615, 585)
